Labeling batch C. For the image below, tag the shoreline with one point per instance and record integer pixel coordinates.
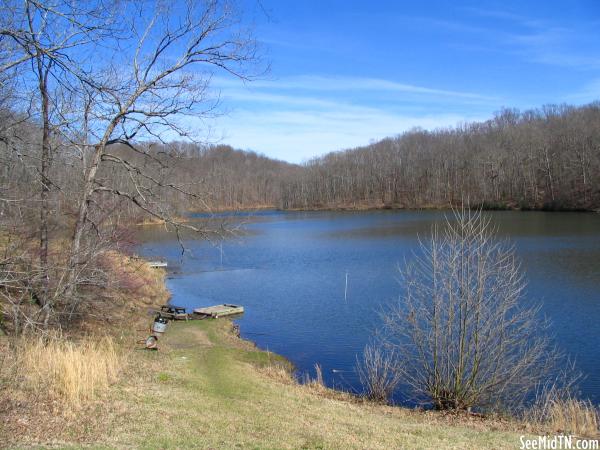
(205, 373)
(366, 208)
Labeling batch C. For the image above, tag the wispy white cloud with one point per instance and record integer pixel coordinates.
(299, 136)
(505, 15)
(336, 84)
(297, 118)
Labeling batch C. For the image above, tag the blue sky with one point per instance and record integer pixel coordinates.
(345, 73)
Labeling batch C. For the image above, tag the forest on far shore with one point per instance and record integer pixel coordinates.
(547, 158)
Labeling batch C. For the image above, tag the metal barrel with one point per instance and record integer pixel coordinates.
(159, 325)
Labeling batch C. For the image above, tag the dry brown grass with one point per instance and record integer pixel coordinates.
(68, 372)
(575, 416)
(561, 412)
(317, 386)
(70, 389)
(58, 390)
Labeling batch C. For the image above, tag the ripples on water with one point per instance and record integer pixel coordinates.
(289, 271)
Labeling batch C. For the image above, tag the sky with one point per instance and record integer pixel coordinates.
(347, 73)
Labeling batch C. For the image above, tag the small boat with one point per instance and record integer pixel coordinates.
(219, 311)
(172, 312)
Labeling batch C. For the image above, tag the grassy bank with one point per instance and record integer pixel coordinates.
(213, 390)
(205, 388)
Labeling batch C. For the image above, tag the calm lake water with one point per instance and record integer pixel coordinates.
(289, 271)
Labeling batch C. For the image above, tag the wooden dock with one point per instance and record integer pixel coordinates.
(156, 264)
(219, 311)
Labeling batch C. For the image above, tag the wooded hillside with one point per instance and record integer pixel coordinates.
(548, 158)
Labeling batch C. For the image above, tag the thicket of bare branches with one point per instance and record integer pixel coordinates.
(86, 88)
(462, 331)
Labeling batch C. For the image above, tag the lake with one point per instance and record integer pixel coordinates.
(289, 270)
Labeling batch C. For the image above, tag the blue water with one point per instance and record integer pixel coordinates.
(289, 271)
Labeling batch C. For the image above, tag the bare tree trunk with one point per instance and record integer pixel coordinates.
(45, 189)
(549, 172)
(82, 214)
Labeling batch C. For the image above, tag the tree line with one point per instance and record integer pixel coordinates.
(546, 158)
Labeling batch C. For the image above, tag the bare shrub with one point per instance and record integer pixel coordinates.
(464, 334)
(378, 373)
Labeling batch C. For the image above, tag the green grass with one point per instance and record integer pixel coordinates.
(212, 390)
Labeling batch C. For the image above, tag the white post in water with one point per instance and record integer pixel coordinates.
(346, 289)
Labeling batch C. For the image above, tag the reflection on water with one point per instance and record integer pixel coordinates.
(289, 271)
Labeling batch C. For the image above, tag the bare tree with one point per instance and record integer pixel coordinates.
(463, 332)
(100, 116)
(41, 39)
(168, 75)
